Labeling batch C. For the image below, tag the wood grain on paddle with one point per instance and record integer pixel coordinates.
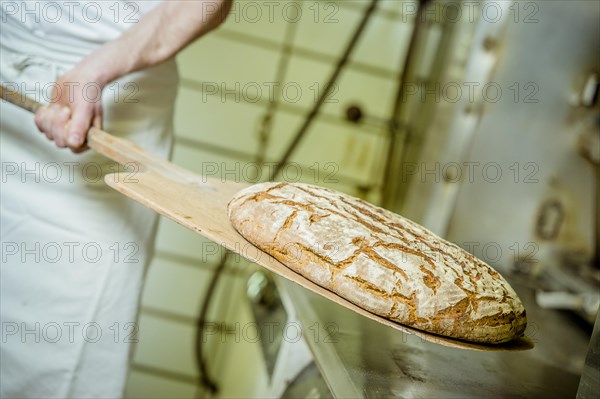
(199, 203)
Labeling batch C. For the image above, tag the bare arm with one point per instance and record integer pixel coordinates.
(158, 36)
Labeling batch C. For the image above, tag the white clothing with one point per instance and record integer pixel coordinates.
(74, 252)
(70, 28)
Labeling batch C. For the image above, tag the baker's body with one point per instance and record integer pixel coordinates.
(74, 252)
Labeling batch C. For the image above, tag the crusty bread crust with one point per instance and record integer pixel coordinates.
(379, 260)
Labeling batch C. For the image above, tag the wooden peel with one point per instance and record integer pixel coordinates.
(199, 203)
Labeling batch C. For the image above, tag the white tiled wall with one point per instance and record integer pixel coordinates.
(326, 27)
(212, 128)
(340, 150)
(215, 58)
(172, 238)
(176, 287)
(233, 120)
(144, 385)
(167, 345)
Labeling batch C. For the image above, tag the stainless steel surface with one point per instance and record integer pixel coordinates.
(269, 313)
(530, 135)
(539, 137)
(589, 386)
(359, 358)
(308, 384)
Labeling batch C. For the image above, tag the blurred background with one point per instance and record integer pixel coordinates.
(476, 119)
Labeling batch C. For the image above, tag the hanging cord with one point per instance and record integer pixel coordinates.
(330, 84)
(264, 133)
(395, 124)
(204, 378)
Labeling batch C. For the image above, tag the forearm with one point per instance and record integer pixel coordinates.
(158, 36)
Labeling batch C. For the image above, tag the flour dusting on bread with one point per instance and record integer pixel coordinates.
(379, 260)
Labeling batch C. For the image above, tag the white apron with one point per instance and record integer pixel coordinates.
(74, 252)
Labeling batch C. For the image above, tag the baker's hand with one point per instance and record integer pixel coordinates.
(75, 107)
(151, 41)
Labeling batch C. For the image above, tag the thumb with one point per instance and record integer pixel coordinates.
(78, 126)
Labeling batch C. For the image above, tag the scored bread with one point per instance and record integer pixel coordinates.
(379, 260)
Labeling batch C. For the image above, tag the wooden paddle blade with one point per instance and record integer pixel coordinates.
(200, 204)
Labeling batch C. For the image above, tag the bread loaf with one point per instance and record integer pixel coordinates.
(379, 260)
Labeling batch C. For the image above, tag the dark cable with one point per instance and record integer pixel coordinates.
(330, 83)
(395, 122)
(204, 378)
